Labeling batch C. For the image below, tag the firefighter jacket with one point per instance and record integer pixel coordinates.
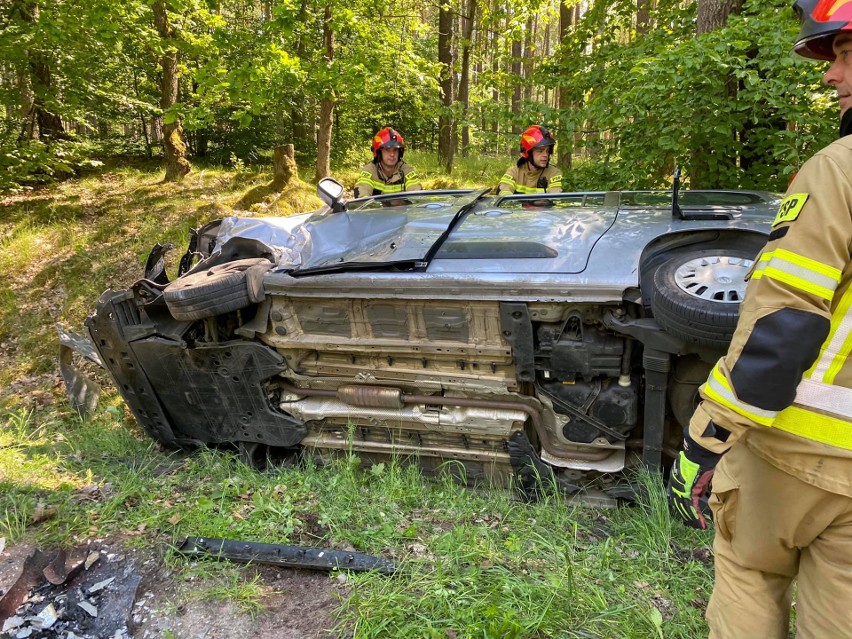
(785, 384)
(519, 179)
(373, 181)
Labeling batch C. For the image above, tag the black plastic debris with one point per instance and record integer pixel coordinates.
(281, 555)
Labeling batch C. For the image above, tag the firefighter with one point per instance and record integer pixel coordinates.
(774, 429)
(387, 173)
(532, 172)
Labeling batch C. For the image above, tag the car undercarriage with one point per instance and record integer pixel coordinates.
(507, 370)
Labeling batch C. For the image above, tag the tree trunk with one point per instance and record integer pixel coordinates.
(495, 92)
(41, 82)
(565, 149)
(643, 16)
(284, 166)
(300, 133)
(713, 14)
(517, 52)
(326, 117)
(445, 58)
(546, 53)
(464, 82)
(528, 57)
(142, 117)
(177, 166)
(28, 115)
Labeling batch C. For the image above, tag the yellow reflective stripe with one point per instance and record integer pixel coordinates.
(389, 188)
(556, 179)
(520, 188)
(838, 345)
(719, 390)
(799, 272)
(412, 177)
(815, 426)
(508, 180)
(376, 185)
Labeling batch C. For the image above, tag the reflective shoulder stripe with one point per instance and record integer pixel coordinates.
(719, 390)
(829, 398)
(837, 347)
(508, 179)
(799, 272)
(556, 179)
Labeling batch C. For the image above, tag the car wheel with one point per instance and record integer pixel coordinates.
(697, 294)
(215, 290)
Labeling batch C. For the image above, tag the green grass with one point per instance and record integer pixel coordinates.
(473, 563)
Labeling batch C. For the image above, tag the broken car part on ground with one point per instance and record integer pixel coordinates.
(522, 336)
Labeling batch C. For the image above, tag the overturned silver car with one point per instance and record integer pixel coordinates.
(523, 337)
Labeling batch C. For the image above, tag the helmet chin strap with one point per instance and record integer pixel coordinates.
(846, 123)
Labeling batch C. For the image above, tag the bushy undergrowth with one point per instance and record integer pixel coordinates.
(28, 163)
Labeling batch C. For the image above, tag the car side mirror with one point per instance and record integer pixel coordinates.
(330, 191)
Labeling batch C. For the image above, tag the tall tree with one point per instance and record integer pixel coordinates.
(464, 82)
(517, 52)
(566, 20)
(326, 117)
(643, 16)
(40, 81)
(174, 143)
(445, 58)
(712, 15)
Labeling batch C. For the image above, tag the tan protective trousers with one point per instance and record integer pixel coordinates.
(771, 527)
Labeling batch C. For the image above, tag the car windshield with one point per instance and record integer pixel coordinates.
(418, 199)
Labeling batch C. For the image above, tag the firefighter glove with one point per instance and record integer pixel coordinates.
(689, 482)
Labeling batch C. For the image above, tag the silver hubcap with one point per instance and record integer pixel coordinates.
(716, 278)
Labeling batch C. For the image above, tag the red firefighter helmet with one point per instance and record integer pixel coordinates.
(534, 137)
(387, 138)
(821, 20)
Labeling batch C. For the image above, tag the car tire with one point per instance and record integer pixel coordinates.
(697, 294)
(215, 290)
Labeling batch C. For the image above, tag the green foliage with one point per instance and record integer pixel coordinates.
(30, 162)
(661, 99)
(732, 107)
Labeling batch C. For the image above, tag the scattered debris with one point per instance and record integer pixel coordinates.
(91, 559)
(48, 616)
(83, 393)
(71, 595)
(281, 555)
(101, 585)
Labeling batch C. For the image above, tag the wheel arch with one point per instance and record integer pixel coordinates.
(662, 248)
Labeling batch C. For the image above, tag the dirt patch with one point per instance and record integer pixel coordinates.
(296, 604)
